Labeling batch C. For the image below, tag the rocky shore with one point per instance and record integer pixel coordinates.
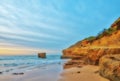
(102, 50)
(110, 67)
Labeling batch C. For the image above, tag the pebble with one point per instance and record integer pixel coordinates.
(18, 73)
(1, 72)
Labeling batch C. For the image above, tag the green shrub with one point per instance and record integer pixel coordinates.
(106, 32)
(110, 31)
(90, 38)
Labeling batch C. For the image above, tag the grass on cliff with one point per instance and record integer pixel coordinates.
(90, 38)
(105, 32)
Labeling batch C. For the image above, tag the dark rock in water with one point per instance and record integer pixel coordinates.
(110, 67)
(42, 55)
(18, 73)
(1, 72)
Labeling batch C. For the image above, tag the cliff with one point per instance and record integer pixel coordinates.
(94, 47)
(102, 50)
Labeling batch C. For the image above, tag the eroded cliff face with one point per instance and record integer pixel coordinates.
(110, 67)
(93, 48)
(95, 54)
(102, 50)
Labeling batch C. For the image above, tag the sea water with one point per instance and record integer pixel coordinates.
(26, 62)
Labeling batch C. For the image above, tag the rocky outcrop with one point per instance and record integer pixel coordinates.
(42, 55)
(97, 50)
(94, 48)
(110, 67)
(91, 55)
(95, 54)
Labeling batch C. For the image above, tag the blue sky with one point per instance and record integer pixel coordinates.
(52, 25)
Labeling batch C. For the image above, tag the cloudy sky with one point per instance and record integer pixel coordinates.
(31, 26)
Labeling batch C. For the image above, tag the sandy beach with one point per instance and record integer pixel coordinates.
(86, 73)
(55, 72)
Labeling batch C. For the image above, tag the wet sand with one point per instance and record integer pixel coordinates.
(55, 72)
(86, 73)
(47, 73)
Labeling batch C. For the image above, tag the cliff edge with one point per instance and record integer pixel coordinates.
(94, 47)
(102, 50)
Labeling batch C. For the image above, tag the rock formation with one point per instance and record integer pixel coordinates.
(94, 47)
(102, 50)
(110, 67)
(42, 55)
(96, 53)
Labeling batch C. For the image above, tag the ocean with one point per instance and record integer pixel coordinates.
(27, 62)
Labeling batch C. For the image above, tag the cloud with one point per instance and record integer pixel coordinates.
(22, 26)
(52, 24)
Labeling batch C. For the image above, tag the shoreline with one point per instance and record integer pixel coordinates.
(55, 72)
(47, 73)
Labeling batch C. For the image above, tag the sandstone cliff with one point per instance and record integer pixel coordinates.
(94, 47)
(110, 67)
(102, 50)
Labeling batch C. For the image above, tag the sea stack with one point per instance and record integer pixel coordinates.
(42, 55)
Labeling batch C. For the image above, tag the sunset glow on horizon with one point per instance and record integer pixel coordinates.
(32, 26)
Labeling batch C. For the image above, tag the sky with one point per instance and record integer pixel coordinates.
(32, 26)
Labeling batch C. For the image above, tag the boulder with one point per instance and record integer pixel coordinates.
(110, 67)
(42, 55)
